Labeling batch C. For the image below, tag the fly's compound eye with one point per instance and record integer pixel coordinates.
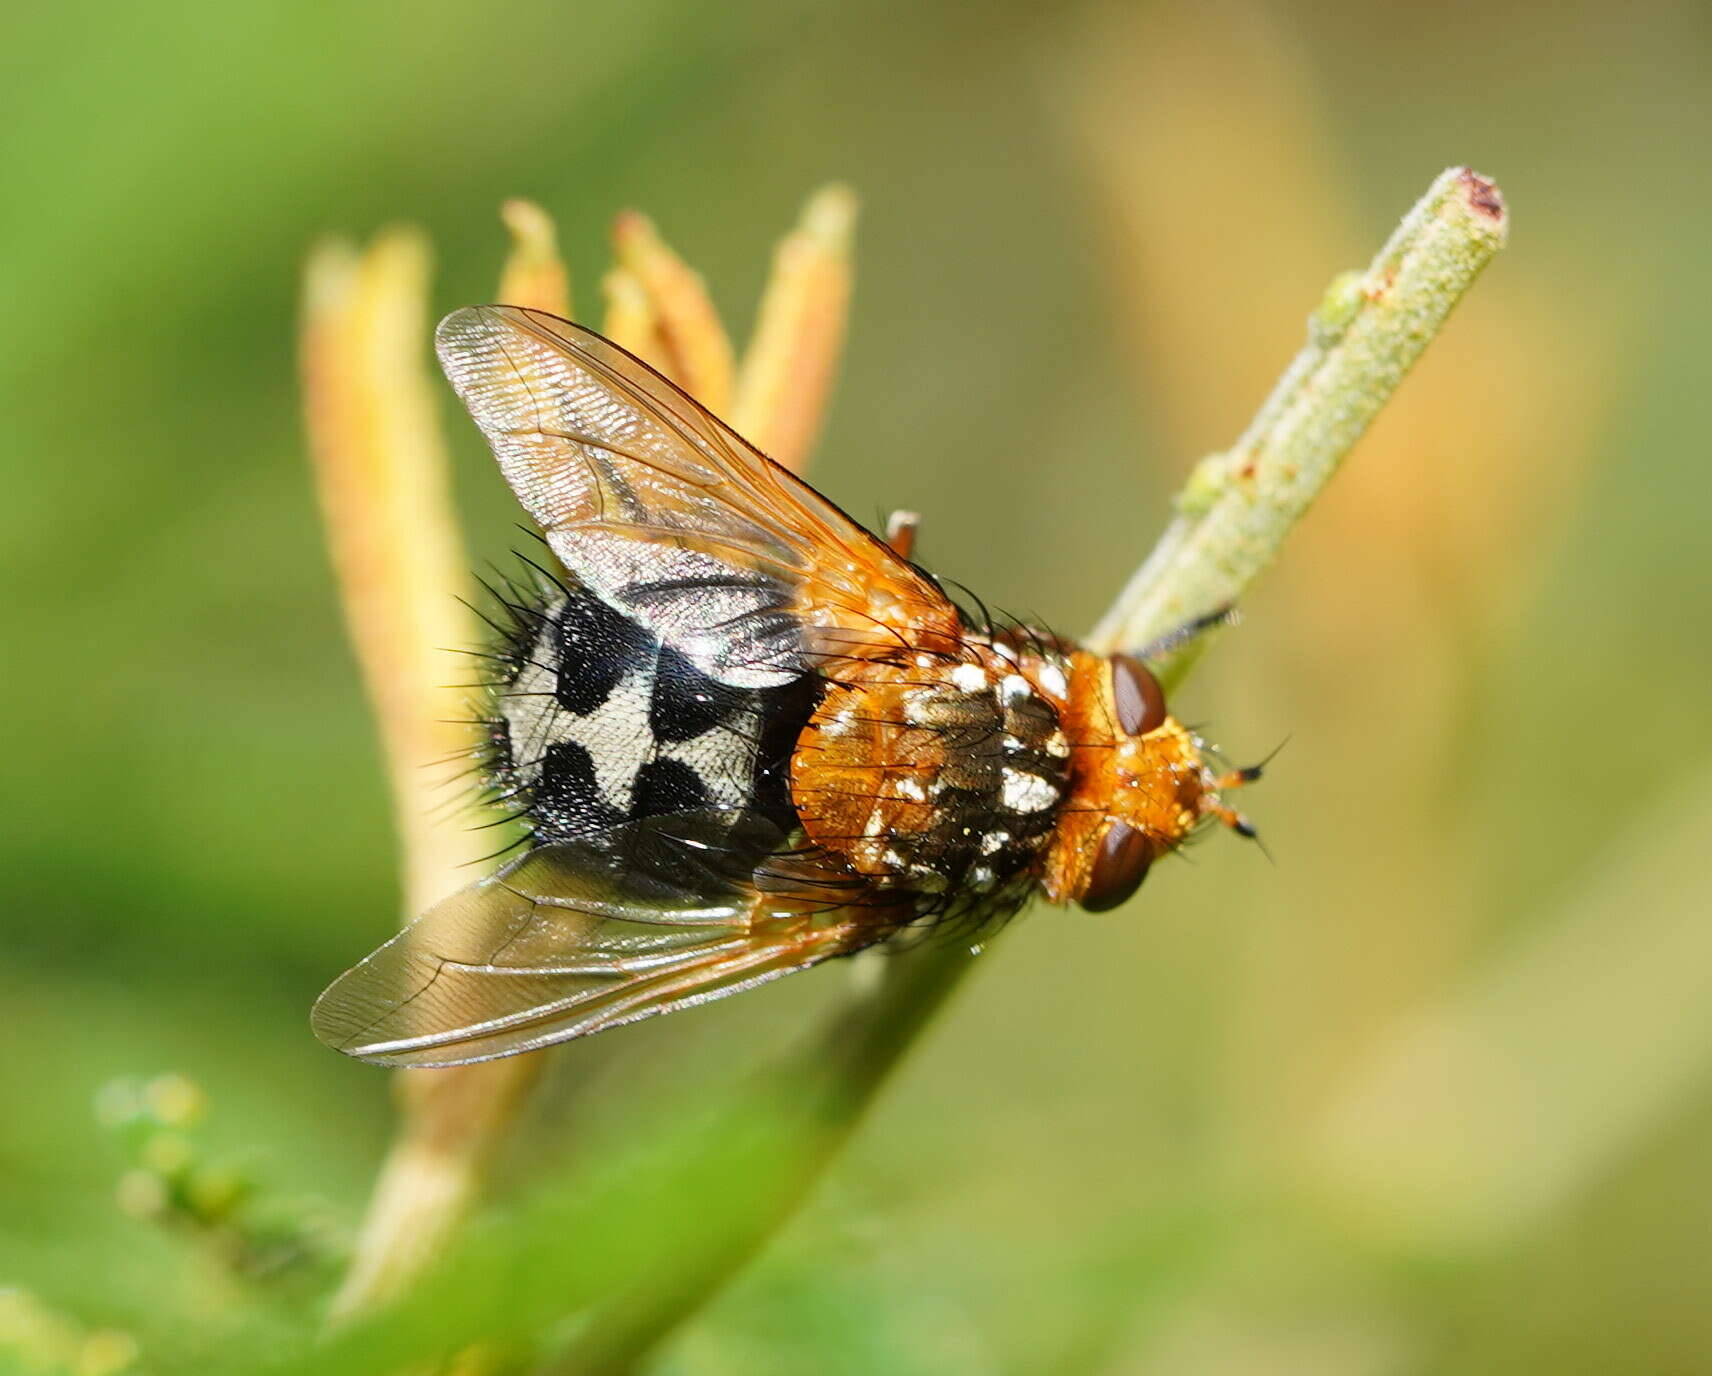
(1119, 867)
(1136, 696)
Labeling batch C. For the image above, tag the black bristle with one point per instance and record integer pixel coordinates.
(514, 609)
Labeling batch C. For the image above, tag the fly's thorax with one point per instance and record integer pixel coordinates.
(944, 773)
(1139, 784)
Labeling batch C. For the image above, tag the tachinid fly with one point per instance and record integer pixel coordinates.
(749, 736)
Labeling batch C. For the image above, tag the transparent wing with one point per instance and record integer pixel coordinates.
(670, 515)
(584, 935)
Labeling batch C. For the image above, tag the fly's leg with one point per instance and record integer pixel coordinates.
(900, 532)
(1179, 636)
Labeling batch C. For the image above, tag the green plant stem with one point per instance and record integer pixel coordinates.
(809, 1103)
(1365, 335)
(1234, 515)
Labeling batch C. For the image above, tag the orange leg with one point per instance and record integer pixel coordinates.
(900, 532)
(1213, 806)
(1231, 818)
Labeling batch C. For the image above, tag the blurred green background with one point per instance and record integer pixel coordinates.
(1431, 1093)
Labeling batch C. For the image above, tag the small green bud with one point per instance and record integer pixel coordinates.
(142, 1194)
(215, 1192)
(1339, 306)
(169, 1155)
(106, 1352)
(1204, 485)
(119, 1103)
(176, 1101)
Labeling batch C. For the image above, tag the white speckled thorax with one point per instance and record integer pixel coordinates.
(947, 776)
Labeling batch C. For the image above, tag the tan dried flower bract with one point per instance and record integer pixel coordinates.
(787, 372)
(690, 344)
(381, 470)
(631, 322)
(534, 274)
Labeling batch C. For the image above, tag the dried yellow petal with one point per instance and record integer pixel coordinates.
(697, 351)
(787, 372)
(380, 469)
(630, 319)
(534, 274)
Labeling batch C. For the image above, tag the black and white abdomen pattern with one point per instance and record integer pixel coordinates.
(595, 722)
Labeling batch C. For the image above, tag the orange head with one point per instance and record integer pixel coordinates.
(1140, 784)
